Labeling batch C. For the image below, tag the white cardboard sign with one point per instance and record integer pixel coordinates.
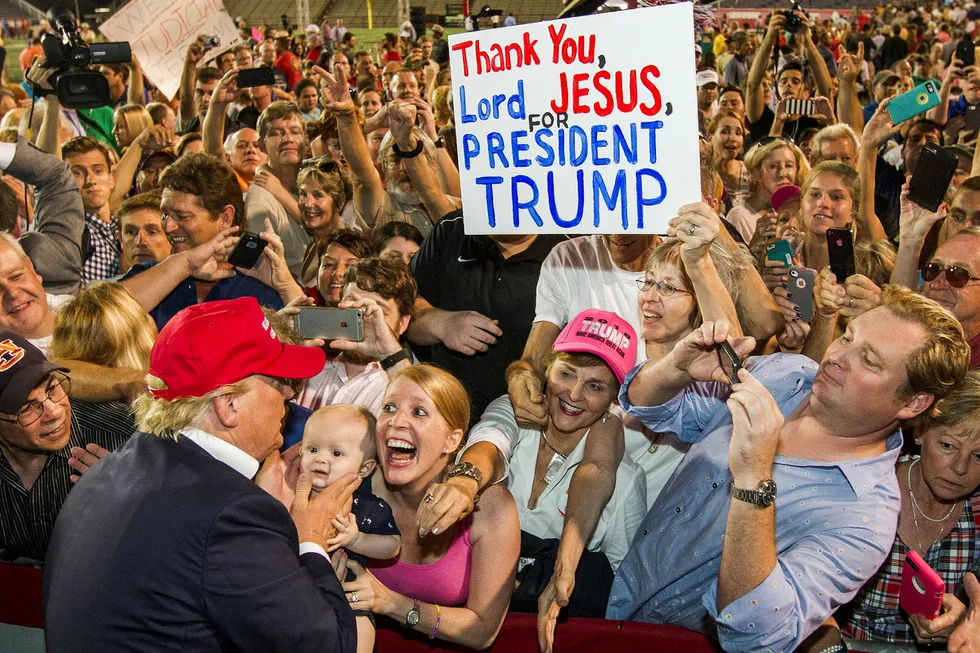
(579, 126)
(160, 31)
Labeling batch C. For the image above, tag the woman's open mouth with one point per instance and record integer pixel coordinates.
(400, 452)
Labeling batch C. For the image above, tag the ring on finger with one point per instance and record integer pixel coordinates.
(354, 598)
(690, 232)
(428, 498)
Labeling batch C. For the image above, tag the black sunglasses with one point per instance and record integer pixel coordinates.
(956, 276)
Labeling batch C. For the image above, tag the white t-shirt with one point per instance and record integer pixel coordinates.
(55, 302)
(580, 274)
(519, 448)
(261, 204)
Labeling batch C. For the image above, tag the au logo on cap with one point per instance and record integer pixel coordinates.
(10, 353)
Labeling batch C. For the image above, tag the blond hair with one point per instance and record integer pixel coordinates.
(960, 409)
(875, 259)
(729, 263)
(105, 325)
(941, 363)
(167, 418)
(848, 175)
(136, 118)
(445, 390)
(757, 155)
(829, 134)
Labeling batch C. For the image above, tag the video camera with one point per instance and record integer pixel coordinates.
(793, 24)
(76, 86)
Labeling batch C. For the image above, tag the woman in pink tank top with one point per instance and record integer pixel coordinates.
(454, 585)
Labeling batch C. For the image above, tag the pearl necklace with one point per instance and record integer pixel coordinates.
(916, 508)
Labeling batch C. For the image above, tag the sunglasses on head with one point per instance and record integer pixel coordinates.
(765, 140)
(956, 275)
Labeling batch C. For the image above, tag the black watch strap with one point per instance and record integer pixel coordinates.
(394, 359)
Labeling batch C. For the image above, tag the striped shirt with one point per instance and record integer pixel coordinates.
(27, 516)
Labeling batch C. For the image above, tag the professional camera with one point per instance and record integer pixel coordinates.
(793, 23)
(76, 86)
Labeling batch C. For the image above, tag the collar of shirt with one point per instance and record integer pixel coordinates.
(109, 227)
(226, 452)
(338, 363)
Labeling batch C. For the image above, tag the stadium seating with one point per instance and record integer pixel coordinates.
(354, 12)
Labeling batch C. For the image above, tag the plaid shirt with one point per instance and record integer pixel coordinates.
(874, 612)
(104, 249)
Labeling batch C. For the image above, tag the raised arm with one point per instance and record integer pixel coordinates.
(525, 377)
(939, 114)
(821, 75)
(828, 298)
(136, 93)
(47, 137)
(213, 127)
(914, 225)
(369, 190)
(401, 118)
(153, 138)
(848, 104)
(188, 108)
(877, 131)
(55, 244)
(755, 103)
(91, 382)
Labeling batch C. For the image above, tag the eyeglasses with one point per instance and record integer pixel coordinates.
(322, 163)
(956, 276)
(31, 412)
(665, 288)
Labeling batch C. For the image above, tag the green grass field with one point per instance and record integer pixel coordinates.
(367, 39)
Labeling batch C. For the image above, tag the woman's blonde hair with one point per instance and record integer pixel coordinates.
(136, 118)
(440, 104)
(757, 155)
(847, 174)
(445, 390)
(729, 263)
(875, 259)
(104, 325)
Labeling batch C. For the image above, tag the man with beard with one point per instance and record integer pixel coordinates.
(352, 378)
(411, 190)
(141, 232)
(92, 168)
(283, 138)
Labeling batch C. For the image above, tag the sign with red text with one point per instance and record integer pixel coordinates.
(579, 126)
(160, 31)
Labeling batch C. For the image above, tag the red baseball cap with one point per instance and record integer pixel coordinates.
(209, 345)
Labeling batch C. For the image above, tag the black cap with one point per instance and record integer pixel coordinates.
(146, 156)
(22, 368)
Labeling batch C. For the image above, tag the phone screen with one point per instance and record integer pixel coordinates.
(933, 173)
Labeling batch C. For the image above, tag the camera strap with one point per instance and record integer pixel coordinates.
(91, 124)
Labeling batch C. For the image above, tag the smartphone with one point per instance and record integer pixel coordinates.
(800, 107)
(730, 362)
(919, 100)
(922, 588)
(247, 252)
(780, 252)
(260, 76)
(971, 121)
(932, 176)
(965, 52)
(212, 42)
(330, 323)
(840, 247)
(800, 286)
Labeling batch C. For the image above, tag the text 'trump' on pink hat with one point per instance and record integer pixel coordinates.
(603, 334)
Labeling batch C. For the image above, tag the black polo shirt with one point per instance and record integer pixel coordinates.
(456, 272)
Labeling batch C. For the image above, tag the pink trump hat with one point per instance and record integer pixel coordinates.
(603, 334)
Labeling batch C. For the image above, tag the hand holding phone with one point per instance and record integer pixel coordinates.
(800, 287)
(248, 250)
(330, 323)
(730, 362)
(933, 173)
(840, 247)
(919, 100)
(261, 76)
(922, 588)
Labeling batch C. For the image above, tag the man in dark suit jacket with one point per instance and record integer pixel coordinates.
(167, 544)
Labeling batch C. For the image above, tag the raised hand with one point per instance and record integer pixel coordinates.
(696, 226)
(828, 295)
(850, 65)
(155, 137)
(915, 222)
(227, 87)
(401, 120)
(860, 295)
(823, 110)
(334, 91)
(880, 128)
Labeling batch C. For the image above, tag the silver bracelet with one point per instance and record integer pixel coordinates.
(469, 470)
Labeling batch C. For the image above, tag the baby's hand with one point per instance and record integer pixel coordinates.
(347, 532)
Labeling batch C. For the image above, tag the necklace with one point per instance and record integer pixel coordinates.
(557, 460)
(916, 508)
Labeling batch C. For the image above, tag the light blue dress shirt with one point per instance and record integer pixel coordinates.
(835, 523)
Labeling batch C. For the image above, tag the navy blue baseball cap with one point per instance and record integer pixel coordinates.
(22, 368)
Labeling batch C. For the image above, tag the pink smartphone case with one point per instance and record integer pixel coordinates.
(922, 590)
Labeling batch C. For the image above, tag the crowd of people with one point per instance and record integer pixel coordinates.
(704, 428)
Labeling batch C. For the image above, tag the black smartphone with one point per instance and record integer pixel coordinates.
(971, 121)
(730, 362)
(261, 76)
(965, 52)
(840, 247)
(933, 172)
(247, 252)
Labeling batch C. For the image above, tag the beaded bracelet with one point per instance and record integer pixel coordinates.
(438, 619)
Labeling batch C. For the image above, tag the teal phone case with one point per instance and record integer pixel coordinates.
(919, 100)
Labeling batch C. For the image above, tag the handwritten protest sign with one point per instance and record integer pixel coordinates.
(159, 33)
(586, 125)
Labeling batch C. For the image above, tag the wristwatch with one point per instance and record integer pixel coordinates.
(763, 496)
(390, 361)
(414, 615)
(466, 469)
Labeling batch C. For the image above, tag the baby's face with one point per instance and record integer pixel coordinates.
(330, 451)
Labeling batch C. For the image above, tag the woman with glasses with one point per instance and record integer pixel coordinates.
(772, 163)
(939, 520)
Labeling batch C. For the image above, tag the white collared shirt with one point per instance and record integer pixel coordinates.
(242, 463)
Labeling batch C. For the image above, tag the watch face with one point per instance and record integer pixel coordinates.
(767, 492)
(413, 617)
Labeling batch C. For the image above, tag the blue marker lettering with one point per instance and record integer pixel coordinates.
(529, 205)
(495, 147)
(517, 145)
(549, 157)
(471, 149)
(619, 144)
(566, 224)
(641, 200)
(578, 145)
(467, 117)
(652, 127)
(598, 142)
(618, 195)
(490, 182)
